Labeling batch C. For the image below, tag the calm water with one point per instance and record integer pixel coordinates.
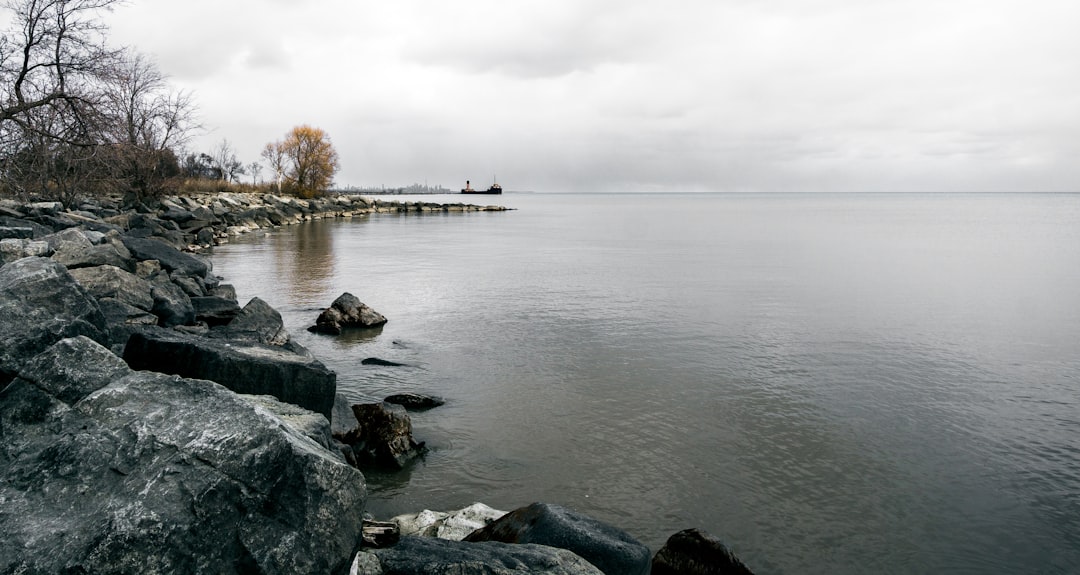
(829, 383)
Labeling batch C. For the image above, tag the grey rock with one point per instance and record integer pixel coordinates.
(422, 555)
(224, 291)
(171, 304)
(242, 367)
(154, 473)
(453, 525)
(73, 368)
(170, 258)
(346, 312)
(215, 310)
(695, 552)
(20, 233)
(257, 322)
(113, 282)
(12, 221)
(191, 286)
(609, 548)
(13, 250)
(40, 304)
(73, 256)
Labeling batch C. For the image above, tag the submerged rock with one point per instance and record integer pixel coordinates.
(415, 401)
(609, 548)
(346, 312)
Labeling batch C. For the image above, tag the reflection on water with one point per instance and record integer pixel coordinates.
(831, 384)
(307, 263)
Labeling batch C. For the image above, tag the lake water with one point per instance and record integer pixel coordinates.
(859, 383)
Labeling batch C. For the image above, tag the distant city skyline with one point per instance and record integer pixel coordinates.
(559, 95)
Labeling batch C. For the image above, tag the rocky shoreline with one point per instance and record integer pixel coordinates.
(149, 423)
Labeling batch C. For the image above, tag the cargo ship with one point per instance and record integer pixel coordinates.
(494, 189)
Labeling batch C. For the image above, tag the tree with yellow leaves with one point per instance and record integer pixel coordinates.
(304, 162)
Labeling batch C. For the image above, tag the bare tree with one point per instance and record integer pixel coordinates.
(51, 62)
(147, 121)
(275, 155)
(229, 167)
(255, 168)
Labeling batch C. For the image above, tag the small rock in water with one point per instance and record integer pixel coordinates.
(415, 401)
(346, 312)
(382, 362)
(694, 552)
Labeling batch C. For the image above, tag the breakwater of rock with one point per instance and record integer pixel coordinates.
(148, 421)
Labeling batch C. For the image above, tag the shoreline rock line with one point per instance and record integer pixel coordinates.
(148, 421)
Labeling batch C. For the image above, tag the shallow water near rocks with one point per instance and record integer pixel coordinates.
(859, 383)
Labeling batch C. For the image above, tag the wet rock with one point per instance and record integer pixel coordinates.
(415, 401)
(346, 312)
(381, 437)
(113, 282)
(382, 362)
(242, 367)
(40, 304)
(609, 548)
(694, 552)
(106, 470)
(442, 557)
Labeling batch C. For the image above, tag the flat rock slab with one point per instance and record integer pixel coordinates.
(441, 557)
(609, 548)
(242, 367)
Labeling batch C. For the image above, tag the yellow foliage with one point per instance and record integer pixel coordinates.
(304, 162)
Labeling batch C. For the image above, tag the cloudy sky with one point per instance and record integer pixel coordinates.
(565, 95)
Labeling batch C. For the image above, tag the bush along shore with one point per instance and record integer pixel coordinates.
(149, 423)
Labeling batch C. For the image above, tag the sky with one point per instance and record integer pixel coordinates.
(639, 95)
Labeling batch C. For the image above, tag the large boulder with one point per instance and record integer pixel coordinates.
(346, 312)
(106, 470)
(113, 282)
(380, 435)
(416, 555)
(695, 552)
(609, 548)
(171, 258)
(242, 367)
(40, 304)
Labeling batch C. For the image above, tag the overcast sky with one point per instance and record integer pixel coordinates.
(565, 95)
